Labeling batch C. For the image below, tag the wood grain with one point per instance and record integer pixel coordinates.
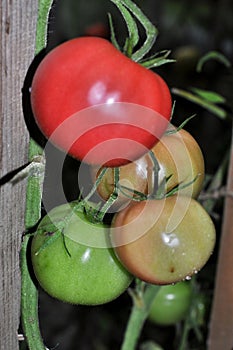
(17, 41)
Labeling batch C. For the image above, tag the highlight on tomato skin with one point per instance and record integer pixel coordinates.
(82, 79)
(163, 241)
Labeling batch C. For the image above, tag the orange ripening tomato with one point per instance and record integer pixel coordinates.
(163, 241)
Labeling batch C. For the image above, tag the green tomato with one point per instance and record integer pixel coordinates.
(72, 271)
(171, 304)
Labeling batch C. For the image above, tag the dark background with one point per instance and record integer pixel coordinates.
(189, 29)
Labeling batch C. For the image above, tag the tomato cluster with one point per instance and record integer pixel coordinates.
(158, 230)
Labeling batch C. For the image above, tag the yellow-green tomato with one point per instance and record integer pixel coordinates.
(171, 304)
(180, 158)
(72, 271)
(163, 241)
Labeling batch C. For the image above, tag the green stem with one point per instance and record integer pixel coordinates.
(44, 7)
(151, 30)
(29, 305)
(112, 198)
(185, 333)
(139, 313)
(96, 184)
(29, 293)
(155, 171)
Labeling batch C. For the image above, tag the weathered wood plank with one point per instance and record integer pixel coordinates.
(17, 41)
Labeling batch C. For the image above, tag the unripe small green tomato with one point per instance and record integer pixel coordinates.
(72, 271)
(171, 304)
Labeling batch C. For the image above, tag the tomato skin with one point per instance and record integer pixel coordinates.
(171, 304)
(179, 155)
(88, 72)
(163, 241)
(87, 275)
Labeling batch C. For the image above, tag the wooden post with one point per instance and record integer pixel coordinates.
(17, 43)
(221, 326)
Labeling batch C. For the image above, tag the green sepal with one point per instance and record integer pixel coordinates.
(180, 127)
(158, 59)
(112, 33)
(50, 238)
(181, 186)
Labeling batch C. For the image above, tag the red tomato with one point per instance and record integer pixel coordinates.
(97, 104)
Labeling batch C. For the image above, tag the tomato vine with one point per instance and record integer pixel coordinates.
(29, 293)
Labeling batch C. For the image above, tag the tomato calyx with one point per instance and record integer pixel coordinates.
(130, 11)
(158, 191)
(180, 127)
(54, 229)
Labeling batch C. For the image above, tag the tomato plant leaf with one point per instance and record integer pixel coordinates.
(211, 107)
(210, 96)
(212, 55)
